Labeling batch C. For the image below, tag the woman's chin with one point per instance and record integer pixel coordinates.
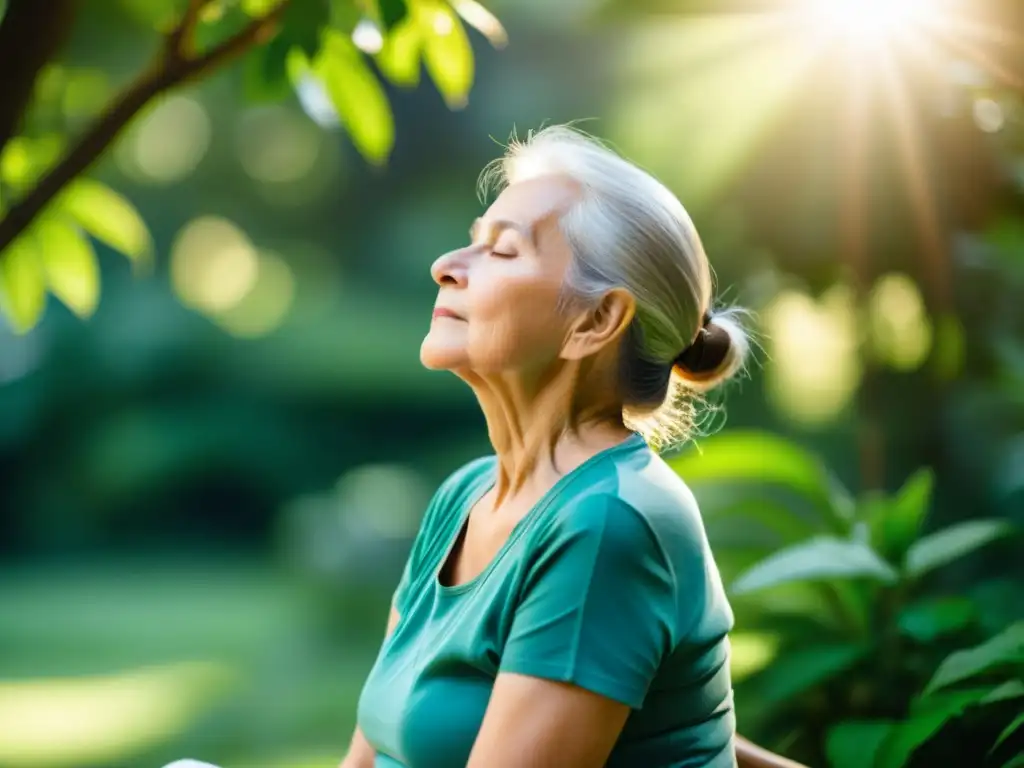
(440, 357)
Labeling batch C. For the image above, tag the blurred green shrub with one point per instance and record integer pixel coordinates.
(873, 664)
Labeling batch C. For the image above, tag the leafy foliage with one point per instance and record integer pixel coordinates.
(870, 660)
(332, 45)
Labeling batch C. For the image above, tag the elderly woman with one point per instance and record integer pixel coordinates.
(560, 606)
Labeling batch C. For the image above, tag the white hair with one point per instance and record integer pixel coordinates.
(628, 231)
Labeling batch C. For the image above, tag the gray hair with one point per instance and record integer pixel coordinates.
(628, 231)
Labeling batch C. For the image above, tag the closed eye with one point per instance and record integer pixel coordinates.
(502, 254)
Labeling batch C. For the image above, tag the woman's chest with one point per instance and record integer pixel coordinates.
(425, 698)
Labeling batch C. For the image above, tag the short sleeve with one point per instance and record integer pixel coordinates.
(598, 605)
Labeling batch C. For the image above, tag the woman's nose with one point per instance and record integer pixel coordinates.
(451, 268)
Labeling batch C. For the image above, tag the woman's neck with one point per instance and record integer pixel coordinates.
(542, 429)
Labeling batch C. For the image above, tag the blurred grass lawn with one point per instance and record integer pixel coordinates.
(130, 663)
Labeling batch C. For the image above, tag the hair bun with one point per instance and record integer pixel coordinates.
(708, 350)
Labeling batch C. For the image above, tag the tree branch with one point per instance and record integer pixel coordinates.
(180, 39)
(169, 72)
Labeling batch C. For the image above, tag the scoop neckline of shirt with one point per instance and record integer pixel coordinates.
(633, 441)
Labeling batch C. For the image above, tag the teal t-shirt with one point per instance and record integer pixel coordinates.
(607, 583)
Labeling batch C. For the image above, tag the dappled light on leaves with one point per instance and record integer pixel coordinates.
(813, 369)
(22, 285)
(168, 143)
(447, 53)
(53, 723)
(69, 264)
(213, 264)
(367, 37)
(266, 304)
(900, 331)
(107, 216)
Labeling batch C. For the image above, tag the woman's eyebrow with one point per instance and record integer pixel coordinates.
(497, 226)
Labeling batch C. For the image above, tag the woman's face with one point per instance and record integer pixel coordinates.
(497, 307)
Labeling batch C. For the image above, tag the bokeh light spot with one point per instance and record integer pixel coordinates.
(989, 115)
(266, 305)
(901, 334)
(276, 146)
(814, 368)
(213, 264)
(168, 143)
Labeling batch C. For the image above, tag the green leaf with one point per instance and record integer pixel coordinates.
(69, 264)
(391, 12)
(1011, 689)
(446, 52)
(929, 620)
(1005, 648)
(1015, 762)
(757, 458)
(1008, 731)
(399, 58)
(797, 670)
(302, 24)
(927, 717)
(108, 217)
(855, 743)
(817, 559)
(901, 524)
(345, 15)
(358, 96)
(770, 514)
(22, 289)
(949, 544)
(266, 76)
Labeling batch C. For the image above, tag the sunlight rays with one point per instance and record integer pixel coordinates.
(740, 76)
(868, 23)
(715, 87)
(919, 187)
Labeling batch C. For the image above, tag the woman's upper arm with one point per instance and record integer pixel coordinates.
(589, 630)
(543, 723)
(598, 606)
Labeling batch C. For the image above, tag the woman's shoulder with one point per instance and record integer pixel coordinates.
(466, 479)
(635, 502)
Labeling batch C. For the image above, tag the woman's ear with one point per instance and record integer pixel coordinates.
(599, 326)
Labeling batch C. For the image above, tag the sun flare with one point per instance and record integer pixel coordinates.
(870, 22)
